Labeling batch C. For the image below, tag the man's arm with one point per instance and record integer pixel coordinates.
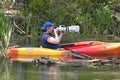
(61, 35)
(53, 40)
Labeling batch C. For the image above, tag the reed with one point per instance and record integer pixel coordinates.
(98, 20)
(5, 33)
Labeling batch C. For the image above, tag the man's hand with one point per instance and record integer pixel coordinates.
(55, 30)
(63, 32)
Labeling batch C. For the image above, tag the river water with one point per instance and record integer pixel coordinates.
(28, 71)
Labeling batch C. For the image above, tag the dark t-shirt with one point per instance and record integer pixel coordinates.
(47, 44)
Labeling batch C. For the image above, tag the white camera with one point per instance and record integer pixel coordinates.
(72, 28)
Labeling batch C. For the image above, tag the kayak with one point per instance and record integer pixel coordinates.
(94, 49)
(31, 53)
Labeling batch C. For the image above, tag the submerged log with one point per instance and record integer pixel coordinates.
(78, 63)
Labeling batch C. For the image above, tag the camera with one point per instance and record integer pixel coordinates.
(72, 28)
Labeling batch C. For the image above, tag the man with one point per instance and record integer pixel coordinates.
(48, 41)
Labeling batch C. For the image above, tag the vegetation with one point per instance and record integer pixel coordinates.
(5, 31)
(94, 17)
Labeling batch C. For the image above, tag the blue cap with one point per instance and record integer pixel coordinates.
(47, 25)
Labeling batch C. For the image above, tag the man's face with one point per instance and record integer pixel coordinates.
(50, 29)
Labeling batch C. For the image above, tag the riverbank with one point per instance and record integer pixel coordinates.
(68, 38)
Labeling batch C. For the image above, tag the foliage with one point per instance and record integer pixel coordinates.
(98, 20)
(60, 12)
(94, 15)
(5, 27)
(113, 1)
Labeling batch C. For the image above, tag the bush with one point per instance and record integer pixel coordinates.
(94, 15)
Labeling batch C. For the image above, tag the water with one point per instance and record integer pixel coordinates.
(27, 71)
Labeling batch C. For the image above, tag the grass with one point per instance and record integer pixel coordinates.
(5, 33)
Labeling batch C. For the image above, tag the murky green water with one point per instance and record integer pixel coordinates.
(27, 71)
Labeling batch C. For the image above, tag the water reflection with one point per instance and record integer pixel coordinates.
(4, 70)
(20, 71)
(2, 66)
(26, 71)
(57, 72)
(50, 73)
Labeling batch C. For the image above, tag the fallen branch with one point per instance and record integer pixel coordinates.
(19, 29)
